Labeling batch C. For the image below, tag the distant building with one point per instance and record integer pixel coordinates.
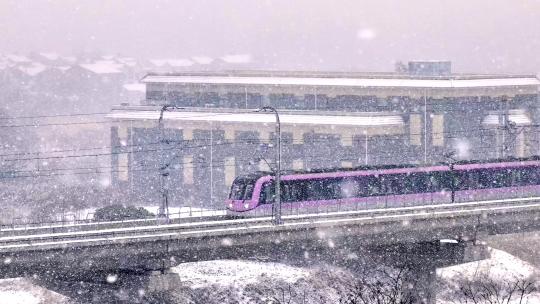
(328, 120)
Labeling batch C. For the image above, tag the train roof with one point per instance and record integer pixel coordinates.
(258, 174)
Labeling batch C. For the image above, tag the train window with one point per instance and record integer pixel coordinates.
(392, 183)
(237, 190)
(517, 178)
(536, 177)
(248, 193)
(292, 191)
(398, 183)
(267, 193)
(312, 190)
(349, 187)
(373, 186)
(416, 183)
(286, 192)
(362, 182)
(333, 188)
(484, 179)
(499, 178)
(471, 179)
(440, 181)
(434, 183)
(297, 191)
(324, 189)
(408, 185)
(462, 181)
(524, 176)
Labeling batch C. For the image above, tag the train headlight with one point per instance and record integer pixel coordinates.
(230, 205)
(246, 205)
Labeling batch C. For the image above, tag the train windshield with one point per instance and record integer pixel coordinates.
(242, 189)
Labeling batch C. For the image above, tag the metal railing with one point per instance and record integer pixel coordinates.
(199, 214)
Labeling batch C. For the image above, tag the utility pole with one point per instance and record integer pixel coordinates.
(451, 161)
(509, 129)
(163, 173)
(276, 207)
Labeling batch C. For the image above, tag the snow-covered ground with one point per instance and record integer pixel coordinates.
(231, 281)
(236, 273)
(500, 268)
(24, 291)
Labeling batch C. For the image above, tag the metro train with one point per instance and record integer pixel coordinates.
(385, 186)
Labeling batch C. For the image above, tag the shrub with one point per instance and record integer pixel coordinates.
(119, 212)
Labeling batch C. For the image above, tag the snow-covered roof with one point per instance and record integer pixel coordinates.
(50, 56)
(180, 62)
(344, 82)
(135, 87)
(33, 69)
(70, 59)
(103, 67)
(237, 58)
(158, 62)
(174, 62)
(202, 59)
(17, 58)
(63, 68)
(129, 61)
(294, 119)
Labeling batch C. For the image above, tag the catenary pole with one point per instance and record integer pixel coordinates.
(276, 208)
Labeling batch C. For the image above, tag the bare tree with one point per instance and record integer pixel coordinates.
(379, 286)
(287, 296)
(486, 290)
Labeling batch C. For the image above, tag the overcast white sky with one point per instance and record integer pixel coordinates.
(365, 35)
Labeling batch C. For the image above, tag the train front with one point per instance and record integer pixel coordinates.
(241, 198)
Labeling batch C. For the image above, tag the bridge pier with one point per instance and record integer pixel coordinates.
(419, 283)
(422, 260)
(114, 287)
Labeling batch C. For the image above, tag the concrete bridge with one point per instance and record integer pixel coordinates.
(413, 234)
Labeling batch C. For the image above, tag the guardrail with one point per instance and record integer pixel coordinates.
(19, 224)
(256, 224)
(197, 215)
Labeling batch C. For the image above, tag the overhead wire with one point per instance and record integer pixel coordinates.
(379, 137)
(95, 170)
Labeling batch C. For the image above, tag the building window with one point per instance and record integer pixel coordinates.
(437, 134)
(247, 137)
(188, 170)
(123, 170)
(415, 128)
(230, 171)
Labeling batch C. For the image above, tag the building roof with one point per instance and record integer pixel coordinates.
(365, 120)
(173, 62)
(32, 69)
(103, 67)
(50, 56)
(135, 87)
(237, 58)
(346, 80)
(202, 59)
